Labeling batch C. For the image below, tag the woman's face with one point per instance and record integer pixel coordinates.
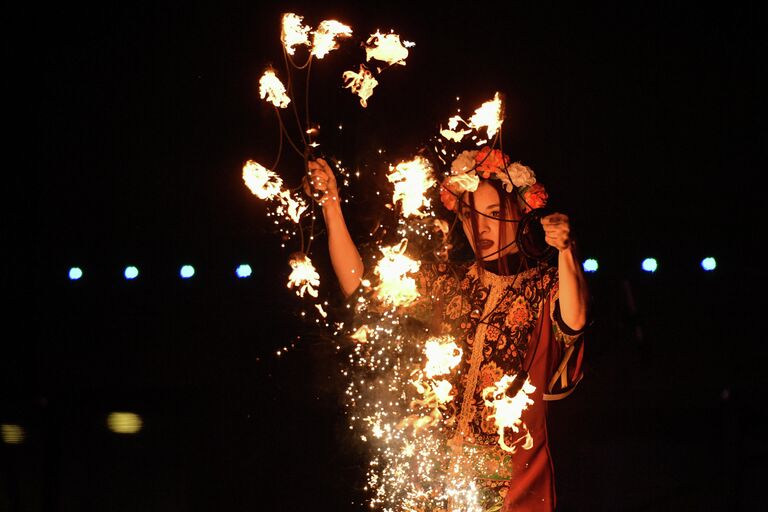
(489, 240)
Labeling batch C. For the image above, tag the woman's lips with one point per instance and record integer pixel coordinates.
(485, 243)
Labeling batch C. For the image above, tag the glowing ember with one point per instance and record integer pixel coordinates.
(304, 276)
(412, 180)
(294, 33)
(394, 287)
(324, 38)
(387, 48)
(488, 115)
(262, 182)
(455, 136)
(361, 83)
(272, 89)
(508, 410)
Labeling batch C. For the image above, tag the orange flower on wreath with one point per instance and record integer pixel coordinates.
(491, 161)
(534, 197)
(448, 196)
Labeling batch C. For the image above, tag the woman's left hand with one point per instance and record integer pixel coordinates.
(557, 231)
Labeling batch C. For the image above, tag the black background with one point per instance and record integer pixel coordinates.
(127, 128)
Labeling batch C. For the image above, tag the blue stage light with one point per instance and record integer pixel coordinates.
(131, 272)
(75, 273)
(709, 264)
(187, 271)
(590, 265)
(650, 264)
(243, 271)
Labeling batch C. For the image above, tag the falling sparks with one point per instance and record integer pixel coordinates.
(273, 90)
(262, 182)
(387, 48)
(304, 277)
(507, 411)
(412, 179)
(361, 83)
(395, 288)
(324, 38)
(294, 32)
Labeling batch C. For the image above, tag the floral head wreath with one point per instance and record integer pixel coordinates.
(472, 165)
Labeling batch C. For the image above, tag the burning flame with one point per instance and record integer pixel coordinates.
(294, 33)
(272, 89)
(442, 356)
(387, 48)
(324, 38)
(412, 180)
(394, 287)
(508, 410)
(488, 115)
(290, 206)
(304, 276)
(361, 83)
(262, 182)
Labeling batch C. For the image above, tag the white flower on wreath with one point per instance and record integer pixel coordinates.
(464, 163)
(521, 176)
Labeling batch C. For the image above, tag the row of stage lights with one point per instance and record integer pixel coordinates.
(117, 422)
(590, 265)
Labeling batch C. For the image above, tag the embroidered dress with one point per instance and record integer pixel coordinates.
(504, 325)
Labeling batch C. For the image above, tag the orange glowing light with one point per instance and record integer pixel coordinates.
(488, 115)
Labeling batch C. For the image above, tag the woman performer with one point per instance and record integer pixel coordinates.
(509, 314)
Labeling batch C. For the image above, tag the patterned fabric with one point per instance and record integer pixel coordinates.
(493, 318)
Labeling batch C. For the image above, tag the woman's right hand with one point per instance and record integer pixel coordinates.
(323, 186)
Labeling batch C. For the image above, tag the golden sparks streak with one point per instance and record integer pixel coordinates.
(412, 180)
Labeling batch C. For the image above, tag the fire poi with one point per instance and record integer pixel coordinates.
(442, 414)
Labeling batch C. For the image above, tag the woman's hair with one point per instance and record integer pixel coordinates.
(509, 213)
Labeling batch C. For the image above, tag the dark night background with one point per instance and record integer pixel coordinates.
(127, 128)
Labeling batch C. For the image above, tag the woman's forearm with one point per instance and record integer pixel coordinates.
(345, 258)
(573, 291)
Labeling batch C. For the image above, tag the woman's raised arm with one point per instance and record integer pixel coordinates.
(345, 258)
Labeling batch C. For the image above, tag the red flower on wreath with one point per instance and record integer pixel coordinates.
(491, 161)
(448, 196)
(535, 196)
